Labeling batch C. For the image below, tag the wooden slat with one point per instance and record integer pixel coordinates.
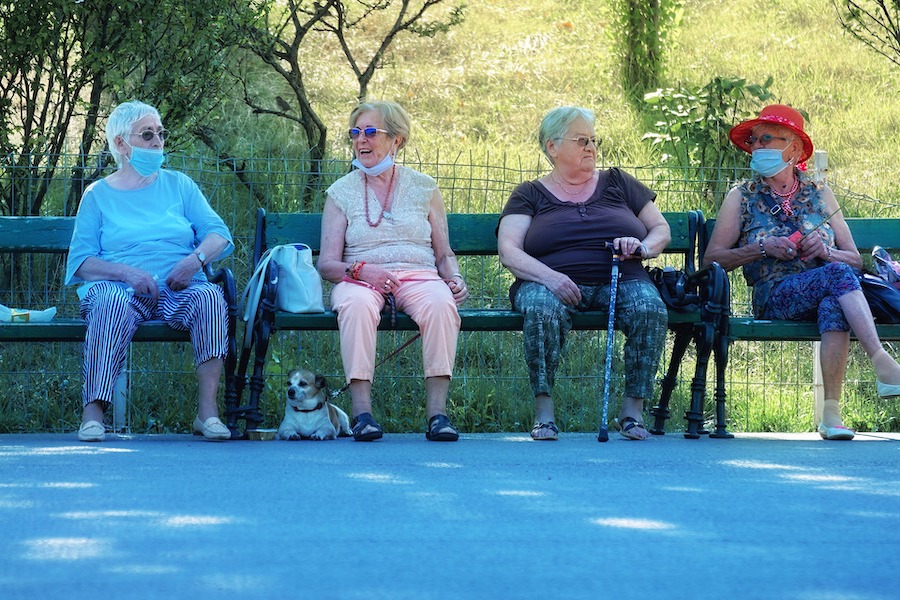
(470, 234)
(473, 319)
(36, 234)
(867, 233)
(72, 330)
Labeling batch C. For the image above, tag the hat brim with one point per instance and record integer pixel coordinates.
(740, 132)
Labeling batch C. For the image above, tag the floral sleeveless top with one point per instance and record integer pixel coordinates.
(758, 222)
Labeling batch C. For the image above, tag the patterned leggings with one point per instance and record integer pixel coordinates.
(113, 314)
(640, 315)
(813, 295)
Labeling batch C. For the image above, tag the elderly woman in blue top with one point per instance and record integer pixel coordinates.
(142, 237)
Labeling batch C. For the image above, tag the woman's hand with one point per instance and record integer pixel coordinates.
(780, 247)
(141, 283)
(183, 272)
(563, 288)
(380, 279)
(630, 247)
(812, 247)
(458, 287)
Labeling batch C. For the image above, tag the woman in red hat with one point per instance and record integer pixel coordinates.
(797, 253)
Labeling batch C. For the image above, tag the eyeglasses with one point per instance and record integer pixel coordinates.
(764, 140)
(148, 134)
(369, 132)
(583, 141)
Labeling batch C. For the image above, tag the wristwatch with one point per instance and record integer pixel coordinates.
(202, 258)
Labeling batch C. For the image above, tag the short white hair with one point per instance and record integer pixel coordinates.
(122, 119)
(556, 123)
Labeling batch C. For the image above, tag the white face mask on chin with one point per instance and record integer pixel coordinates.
(386, 163)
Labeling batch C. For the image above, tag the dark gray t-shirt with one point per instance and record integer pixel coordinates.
(568, 237)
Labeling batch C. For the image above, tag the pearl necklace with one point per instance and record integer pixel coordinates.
(385, 206)
(786, 207)
(558, 182)
(789, 193)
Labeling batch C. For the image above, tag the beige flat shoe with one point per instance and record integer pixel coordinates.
(92, 431)
(838, 432)
(211, 429)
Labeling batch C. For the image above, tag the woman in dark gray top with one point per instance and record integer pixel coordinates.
(552, 237)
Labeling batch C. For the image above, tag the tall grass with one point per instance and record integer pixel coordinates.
(476, 96)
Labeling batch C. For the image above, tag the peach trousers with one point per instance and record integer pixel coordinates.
(422, 295)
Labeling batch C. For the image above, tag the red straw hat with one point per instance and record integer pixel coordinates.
(775, 114)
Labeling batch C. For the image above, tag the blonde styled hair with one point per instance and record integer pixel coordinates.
(396, 120)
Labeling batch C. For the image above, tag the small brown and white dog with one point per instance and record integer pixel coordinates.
(307, 413)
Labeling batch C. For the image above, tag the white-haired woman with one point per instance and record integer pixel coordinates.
(384, 239)
(552, 237)
(142, 237)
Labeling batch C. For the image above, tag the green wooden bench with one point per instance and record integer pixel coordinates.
(474, 235)
(867, 233)
(22, 237)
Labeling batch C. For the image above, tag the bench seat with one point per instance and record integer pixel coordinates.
(474, 235)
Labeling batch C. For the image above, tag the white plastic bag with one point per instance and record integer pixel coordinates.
(22, 315)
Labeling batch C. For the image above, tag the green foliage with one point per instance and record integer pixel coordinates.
(691, 125)
(64, 64)
(641, 31)
(875, 23)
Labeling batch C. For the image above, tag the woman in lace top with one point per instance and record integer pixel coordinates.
(385, 241)
(797, 254)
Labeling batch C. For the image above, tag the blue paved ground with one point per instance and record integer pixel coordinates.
(493, 516)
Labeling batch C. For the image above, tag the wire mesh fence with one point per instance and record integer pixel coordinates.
(770, 384)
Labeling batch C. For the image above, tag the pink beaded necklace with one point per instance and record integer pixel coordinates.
(385, 206)
(786, 197)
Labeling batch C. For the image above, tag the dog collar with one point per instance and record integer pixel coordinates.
(318, 407)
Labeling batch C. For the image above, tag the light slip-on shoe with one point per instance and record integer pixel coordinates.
(91, 431)
(838, 432)
(887, 391)
(211, 429)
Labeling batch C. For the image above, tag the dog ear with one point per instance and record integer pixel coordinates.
(321, 383)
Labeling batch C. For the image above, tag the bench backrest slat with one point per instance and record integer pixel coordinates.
(36, 234)
(867, 233)
(470, 234)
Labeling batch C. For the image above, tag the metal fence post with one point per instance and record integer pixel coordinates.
(819, 173)
(120, 398)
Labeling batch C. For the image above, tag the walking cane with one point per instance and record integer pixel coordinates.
(603, 435)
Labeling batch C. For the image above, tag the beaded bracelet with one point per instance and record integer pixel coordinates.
(355, 269)
(762, 248)
(830, 257)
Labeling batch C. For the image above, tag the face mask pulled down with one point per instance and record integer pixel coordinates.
(768, 162)
(386, 163)
(146, 162)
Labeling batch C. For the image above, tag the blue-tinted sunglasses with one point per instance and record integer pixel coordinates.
(369, 132)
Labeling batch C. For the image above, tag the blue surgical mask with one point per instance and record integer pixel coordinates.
(386, 163)
(145, 161)
(768, 161)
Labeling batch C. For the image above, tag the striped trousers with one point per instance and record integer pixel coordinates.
(112, 315)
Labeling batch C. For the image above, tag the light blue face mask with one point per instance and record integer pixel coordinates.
(145, 161)
(768, 161)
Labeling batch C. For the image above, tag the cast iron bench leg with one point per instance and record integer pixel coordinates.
(660, 412)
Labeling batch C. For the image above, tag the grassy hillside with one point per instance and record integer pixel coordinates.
(482, 88)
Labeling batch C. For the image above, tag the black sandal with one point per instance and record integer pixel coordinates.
(360, 422)
(435, 426)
